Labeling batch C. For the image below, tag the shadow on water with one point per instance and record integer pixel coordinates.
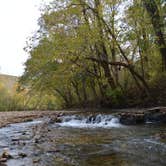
(41, 143)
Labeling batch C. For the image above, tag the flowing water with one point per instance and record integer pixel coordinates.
(83, 140)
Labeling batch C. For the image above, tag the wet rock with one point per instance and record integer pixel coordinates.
(155, 109)
(36, 140)
(55, 119)
(58, 120)
(78, 117)
(6, 155)
(15, 139)
(22, 155)
(3, 160)
(161, 136)
(53, 151)
(24, 143)
(29, 120)
(91, 119)
(20, 143)
(155, 116)
(2, 164)
(132, 119)
(24, 133)
(98, 119)
(151, 115)
(36, 160)
(60, 114)
(51, 121)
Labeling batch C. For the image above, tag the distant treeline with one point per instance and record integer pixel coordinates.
(11, 99)
(99, 53)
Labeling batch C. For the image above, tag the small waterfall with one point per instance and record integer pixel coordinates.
(90, 121)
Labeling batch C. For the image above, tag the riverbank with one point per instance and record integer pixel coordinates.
(127, 116)
(7, 118)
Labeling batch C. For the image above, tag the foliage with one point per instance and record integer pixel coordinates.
(115, 95)
(96, 50)
(11, 99)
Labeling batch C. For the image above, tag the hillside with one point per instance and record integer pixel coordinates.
(8, 81)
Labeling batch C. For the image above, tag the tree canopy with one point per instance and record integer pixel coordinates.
(97, 52)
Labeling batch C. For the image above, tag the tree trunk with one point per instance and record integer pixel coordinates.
(157, 22)
(84, 91)
(75, 86)
(67, 103)
(92, 85)
(101, 51)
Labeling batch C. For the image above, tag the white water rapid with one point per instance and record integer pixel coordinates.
(90, 121)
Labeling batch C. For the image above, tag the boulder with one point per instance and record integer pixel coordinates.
(154, 115)
(132, 119)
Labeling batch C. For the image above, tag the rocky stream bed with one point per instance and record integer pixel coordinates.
(86, 139)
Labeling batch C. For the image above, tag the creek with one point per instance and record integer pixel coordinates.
(83, 140)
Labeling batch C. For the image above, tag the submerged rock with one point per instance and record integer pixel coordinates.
(22, 155)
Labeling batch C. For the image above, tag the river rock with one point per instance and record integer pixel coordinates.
(161, 135)
(3, 160)
(15, 139)
(6, 155)
(91, 119)
(154, 115)
(132, 119)
(60, 114)
(55, 119)
(58, 120)
(36, 160)
(22, 155)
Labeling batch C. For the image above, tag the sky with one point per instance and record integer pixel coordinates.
(18, 21)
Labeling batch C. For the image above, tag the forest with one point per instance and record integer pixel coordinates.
(97, 53)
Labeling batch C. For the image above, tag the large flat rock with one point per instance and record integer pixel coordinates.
(154, 115)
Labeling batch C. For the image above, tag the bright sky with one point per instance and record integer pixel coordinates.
(18, 20)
